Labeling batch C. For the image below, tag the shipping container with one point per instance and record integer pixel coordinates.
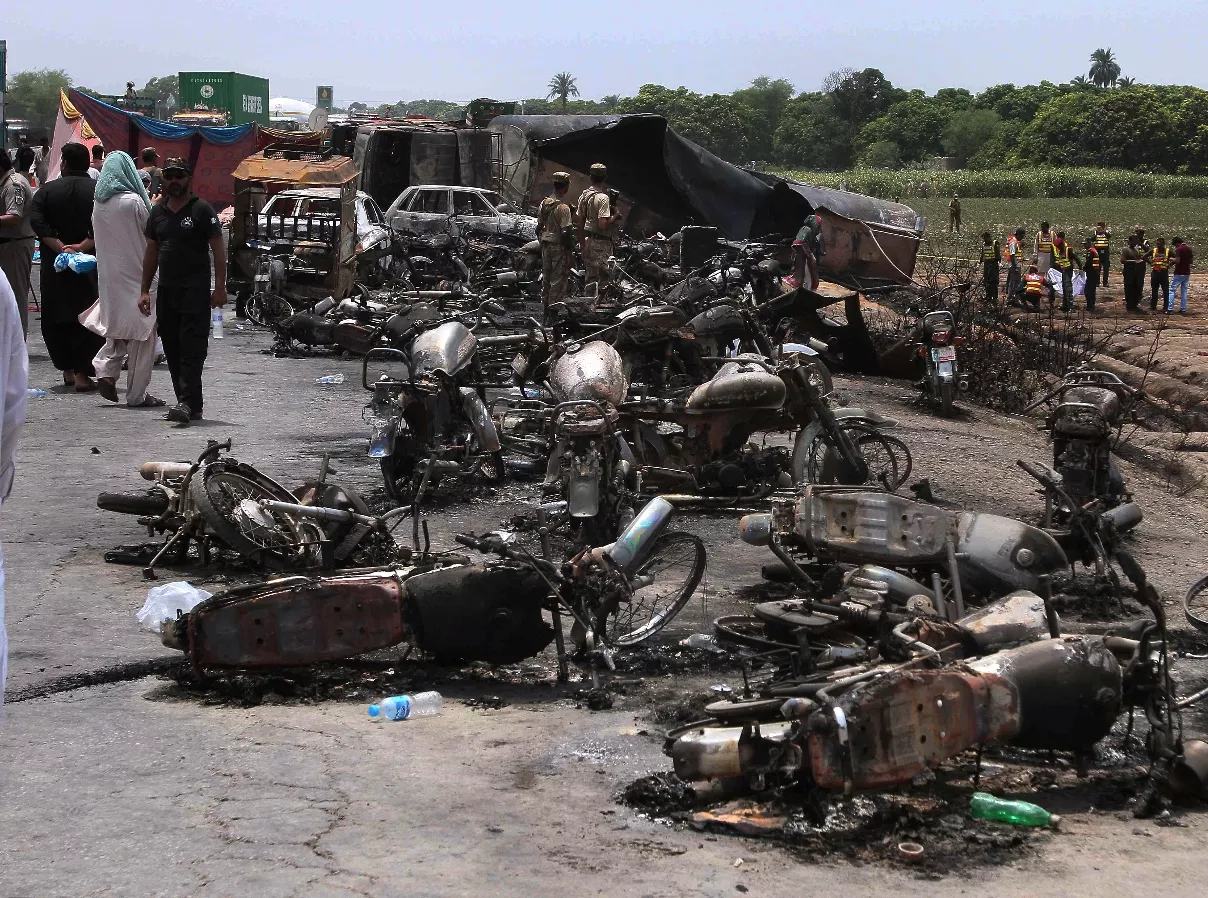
(244, 98)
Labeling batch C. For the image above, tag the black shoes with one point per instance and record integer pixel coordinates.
(182, 414)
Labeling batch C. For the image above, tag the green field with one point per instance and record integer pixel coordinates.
(1185, 218)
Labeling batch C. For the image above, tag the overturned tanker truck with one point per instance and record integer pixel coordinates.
(665, 182)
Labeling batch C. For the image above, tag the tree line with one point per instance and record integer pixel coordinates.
(859, 118)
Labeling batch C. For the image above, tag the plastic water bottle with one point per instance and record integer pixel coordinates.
(985, 806)
(331, 379)
(34, 393)
(404, 707)
(216, 324)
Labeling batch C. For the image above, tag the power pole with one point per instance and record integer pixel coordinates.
(3, 94)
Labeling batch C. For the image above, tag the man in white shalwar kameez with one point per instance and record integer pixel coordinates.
(119, 215)
(14, 381)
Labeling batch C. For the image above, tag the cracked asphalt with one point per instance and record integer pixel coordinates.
(133, 788)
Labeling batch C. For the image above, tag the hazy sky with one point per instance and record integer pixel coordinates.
(378, 51)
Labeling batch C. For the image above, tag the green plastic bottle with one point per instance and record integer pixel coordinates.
(985, 806)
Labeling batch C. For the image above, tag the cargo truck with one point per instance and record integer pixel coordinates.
(244, 98)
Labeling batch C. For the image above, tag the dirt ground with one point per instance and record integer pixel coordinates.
(137, 786)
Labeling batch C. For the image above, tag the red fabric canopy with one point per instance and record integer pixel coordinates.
(212, 163)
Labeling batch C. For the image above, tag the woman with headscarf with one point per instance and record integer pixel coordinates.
(119, 215)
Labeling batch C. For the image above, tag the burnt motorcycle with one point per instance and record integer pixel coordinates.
(1086, 409)
(618, 595)
(428, 400)
(214, 502)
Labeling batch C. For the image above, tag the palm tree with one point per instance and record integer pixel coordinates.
(1080, 83)
(562, 86)
(611, 102)
(1105, 71)
(1126, 82)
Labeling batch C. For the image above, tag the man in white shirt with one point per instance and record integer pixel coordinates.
(14, 381)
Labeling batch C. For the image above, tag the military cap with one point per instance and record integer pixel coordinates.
(561, 177)
(599, 168)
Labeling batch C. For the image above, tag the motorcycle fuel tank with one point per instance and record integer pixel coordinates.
(737, 386)
(594, 372)
(448, 349)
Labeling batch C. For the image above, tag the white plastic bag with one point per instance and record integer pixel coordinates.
(164, 602)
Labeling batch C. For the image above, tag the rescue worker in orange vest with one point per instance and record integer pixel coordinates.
(1103, 243)
(1064, 261)
(1033, 286)
(1093, 271)
(1159, 276)
(990, 250)
(1015, 264)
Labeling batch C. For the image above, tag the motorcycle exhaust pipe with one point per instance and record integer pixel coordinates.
(1125, 517)
(755, 529)
(163, 470)
(631, 546)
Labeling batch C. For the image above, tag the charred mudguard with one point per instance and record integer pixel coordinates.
(480, 419)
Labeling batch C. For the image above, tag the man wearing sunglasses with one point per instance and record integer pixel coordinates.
(182, 231)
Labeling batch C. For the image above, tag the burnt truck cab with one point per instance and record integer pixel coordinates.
(317, 239)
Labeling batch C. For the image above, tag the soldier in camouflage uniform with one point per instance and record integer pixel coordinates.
(555, 230)
(595, 219)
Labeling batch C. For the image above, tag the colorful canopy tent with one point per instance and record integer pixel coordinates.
(70, 127)
(213, 153)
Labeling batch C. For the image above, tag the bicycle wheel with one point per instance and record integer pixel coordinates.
(662, 587)
(227, 493)
(267, 309)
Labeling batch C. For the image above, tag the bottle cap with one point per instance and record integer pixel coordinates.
(375, 711)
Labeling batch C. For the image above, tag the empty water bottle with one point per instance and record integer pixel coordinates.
(216, 324)
(404, 707)
(985, 806)
(34, 393)
(331, 379)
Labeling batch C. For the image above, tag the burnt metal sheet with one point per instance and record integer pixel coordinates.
(861, 525)
(908, 722)
(320, 620)
(447, 348)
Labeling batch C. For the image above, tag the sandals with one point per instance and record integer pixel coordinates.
(87, 387)
(150, 401)
(107, 387)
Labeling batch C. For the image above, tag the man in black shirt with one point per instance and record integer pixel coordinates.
(181, 232)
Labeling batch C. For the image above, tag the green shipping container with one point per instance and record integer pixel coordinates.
(243, 97)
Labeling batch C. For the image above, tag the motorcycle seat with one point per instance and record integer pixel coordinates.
(738, 385)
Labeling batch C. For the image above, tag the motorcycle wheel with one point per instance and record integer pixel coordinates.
(946, 398)
(397, 472)
(1195, 605)
(675, 563)
(266, 309)
(141, 504)
(226, 493)
(888, 458)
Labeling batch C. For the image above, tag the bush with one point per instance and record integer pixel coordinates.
(1022, 183)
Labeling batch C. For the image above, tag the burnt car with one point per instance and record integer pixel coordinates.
(461, 211)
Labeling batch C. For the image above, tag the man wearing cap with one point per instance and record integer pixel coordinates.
(555, 230)
(181, 233)
(595, 219)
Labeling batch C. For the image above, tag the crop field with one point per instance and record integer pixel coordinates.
(1186, 218)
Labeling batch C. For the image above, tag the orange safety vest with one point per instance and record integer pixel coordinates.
(1014, 251)
(1061, 257)
(1159, 261)
(1103, 241)
(1044, 242)
(1034, 285)
(1092, 259)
